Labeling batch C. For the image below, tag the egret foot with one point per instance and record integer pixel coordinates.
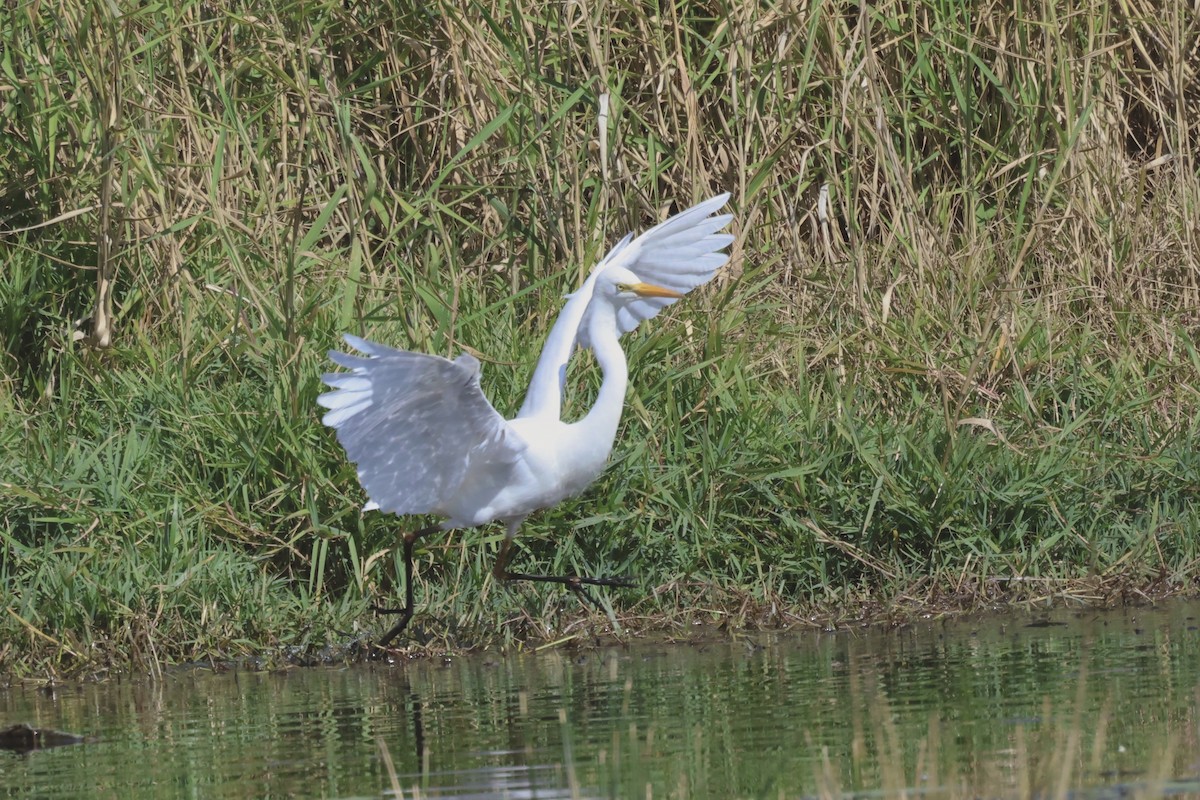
(573, 582)
(406, 613)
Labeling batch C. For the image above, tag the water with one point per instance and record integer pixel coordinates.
(999, 706)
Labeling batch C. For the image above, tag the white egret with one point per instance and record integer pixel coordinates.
(427, 441)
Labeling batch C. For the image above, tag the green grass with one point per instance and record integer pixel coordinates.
(973, 380)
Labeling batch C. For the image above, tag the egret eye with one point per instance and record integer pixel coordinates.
(624, 287)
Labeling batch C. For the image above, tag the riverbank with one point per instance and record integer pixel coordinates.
(951, 361)
(701, 616)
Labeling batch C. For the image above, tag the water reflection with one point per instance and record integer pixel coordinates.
(1005, 705)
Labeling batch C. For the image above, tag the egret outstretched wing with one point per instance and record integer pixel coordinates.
(679, 254)
(414, 424)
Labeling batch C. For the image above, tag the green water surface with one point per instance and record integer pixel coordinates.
(1010, 704)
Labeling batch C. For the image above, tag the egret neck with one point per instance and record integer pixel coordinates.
(600, 425)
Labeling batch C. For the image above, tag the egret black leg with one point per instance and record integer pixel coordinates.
(573, 582)
(406, 613)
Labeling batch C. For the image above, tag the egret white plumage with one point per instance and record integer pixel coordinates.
(427, 441)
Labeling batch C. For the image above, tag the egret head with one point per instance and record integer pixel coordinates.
(620, 285)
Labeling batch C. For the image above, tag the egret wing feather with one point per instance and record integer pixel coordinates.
(414, 424)
(680, 253)
(544, 396)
